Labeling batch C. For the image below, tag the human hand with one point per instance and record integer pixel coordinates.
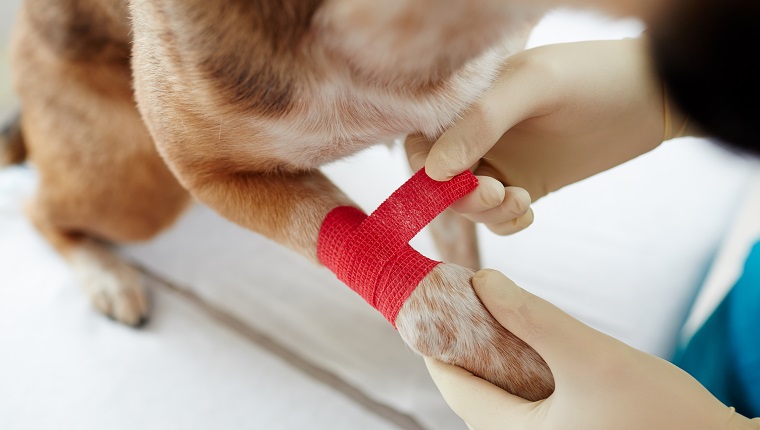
(503, 209)
(601, 383)
(556, 115)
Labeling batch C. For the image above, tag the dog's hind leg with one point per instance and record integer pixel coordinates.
(101, 180)
(114, 287)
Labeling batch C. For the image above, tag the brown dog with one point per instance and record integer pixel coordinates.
(131, 107)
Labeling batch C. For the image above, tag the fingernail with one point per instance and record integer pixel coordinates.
(417, 161)
(484, 278)
(494, 284)
(436, 176)
(492, 192)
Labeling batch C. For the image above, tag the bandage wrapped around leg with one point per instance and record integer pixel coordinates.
(371, 254)
(432, 305)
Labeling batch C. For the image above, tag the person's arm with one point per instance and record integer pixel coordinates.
(557, 114)
(601, 383)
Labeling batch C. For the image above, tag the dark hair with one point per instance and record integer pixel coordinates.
(706, 53)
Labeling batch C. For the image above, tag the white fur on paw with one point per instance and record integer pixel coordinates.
(114, 287)
(444, 319)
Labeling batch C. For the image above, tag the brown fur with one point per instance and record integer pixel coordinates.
(244, 100)
(12, 147)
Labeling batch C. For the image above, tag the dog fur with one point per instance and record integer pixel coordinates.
(130, 108)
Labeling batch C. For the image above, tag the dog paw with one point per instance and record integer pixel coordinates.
(114, 287)
(444, 319)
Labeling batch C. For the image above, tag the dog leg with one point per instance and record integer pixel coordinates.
(100, 177)
(456, 239)
(443, 318)
(114, 288)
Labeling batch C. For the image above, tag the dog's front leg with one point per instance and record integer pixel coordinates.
(441, 318)
(242, 153)
(285, 207)
(432, 305)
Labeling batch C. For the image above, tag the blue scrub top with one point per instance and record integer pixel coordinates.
(724, 354)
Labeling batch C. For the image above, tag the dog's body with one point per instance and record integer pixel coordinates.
(238, 104)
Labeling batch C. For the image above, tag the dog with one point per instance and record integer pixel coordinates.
(131, 108)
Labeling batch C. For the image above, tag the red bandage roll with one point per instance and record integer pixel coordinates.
(371, 254)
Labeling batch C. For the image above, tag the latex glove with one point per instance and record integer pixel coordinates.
(601, 383)
(556, 115)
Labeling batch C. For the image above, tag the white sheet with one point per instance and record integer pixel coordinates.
(62, 366)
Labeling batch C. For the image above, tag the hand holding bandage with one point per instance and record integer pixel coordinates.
(556, 115)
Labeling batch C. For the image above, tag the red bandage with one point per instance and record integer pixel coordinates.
(372, 254)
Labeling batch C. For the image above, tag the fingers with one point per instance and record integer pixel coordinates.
(513, 225)
(569, 347)
(511, 215)
(504, 210)
(479, 403)
(489, 194)
(510, 203)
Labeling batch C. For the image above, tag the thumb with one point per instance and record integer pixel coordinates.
(567, 345)
(417, 148)
(512, 99)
